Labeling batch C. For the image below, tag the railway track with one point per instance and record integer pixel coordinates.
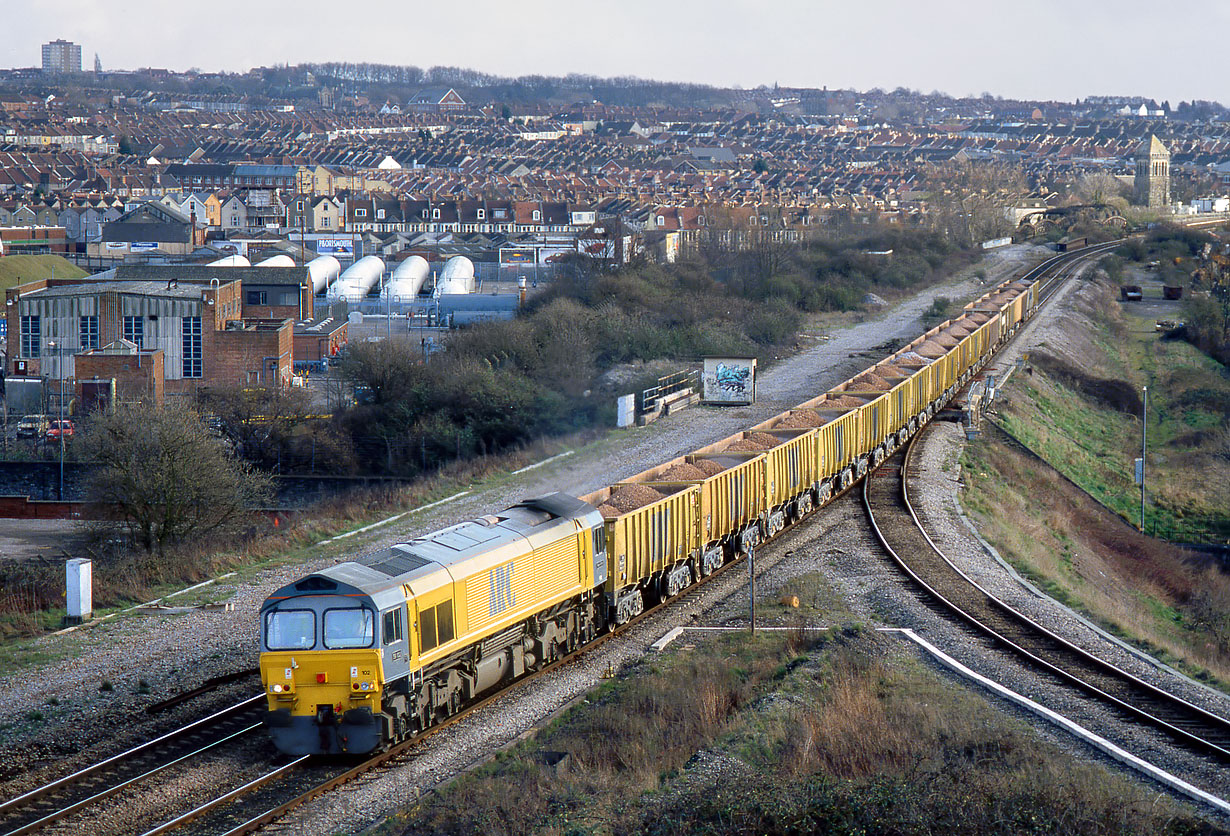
(957, 597)
(260, 801)
(286, 788)
(40, 808)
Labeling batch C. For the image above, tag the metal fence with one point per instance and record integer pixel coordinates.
(651, 399)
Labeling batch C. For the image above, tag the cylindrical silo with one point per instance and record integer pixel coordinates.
(359, 279)
(230, 261)
(457, 276)
(407, 279)
(277, 261)
(324, 270)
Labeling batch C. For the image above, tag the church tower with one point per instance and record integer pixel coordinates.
(1153, 174)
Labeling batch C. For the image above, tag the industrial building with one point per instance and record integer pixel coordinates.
(168, 330)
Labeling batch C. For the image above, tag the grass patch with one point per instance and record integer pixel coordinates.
(1087, 425)
(803, 734)
(17, 269)
(1078, 416)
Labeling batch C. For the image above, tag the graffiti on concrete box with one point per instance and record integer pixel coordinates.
(730, 380)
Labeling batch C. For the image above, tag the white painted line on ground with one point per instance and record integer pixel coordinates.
(90, 623)
(199, 585)
(393, 518)
(157, 601)
(1121, 755)
(441, 501)
(675, 633)
(544, 461)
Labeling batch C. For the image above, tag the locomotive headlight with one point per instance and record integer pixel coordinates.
(367, 686)
(277, 688)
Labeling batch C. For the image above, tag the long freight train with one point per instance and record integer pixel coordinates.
(363, 654)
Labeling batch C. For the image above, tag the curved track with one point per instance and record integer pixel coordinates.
(258, 802)
(886, 498)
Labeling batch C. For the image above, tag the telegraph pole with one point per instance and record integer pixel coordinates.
(1144, 438)
(751, 584)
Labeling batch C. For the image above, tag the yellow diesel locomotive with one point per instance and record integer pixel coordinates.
(366, 653)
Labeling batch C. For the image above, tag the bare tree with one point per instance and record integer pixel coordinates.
(968, 198)
(1099, 188)
(167, 478)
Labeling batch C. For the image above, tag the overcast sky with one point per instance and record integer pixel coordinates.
(1044, 49)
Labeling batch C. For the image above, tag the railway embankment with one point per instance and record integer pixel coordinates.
(795, 732)
(789, 732)
(1062, 505)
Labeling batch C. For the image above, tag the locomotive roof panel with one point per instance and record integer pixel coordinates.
(437, 559)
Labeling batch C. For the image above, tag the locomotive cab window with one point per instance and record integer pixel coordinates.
(392, 627)
(348, 628)
(290, 630)
(435, 626)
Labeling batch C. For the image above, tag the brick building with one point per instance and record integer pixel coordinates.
(199, 328)
(138, 374)
(268, 292)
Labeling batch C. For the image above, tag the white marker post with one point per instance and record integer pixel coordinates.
(80, 583)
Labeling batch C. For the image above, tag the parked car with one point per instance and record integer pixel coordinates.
(60, 426)
(32, 426)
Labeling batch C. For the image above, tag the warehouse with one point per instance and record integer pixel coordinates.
(200, 328)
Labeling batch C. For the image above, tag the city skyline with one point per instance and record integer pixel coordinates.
(1059, 52)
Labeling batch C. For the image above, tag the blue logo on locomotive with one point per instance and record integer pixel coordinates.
(501, 588)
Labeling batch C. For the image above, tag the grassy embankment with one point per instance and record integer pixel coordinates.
(1083, 417)
(16, 269)
(802, 732)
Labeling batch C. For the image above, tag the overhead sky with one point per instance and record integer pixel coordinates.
(1036, 49)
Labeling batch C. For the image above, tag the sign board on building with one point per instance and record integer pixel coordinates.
(116, 245)
(142, 246)
(516, 256)
(729, 380)
(335, 246)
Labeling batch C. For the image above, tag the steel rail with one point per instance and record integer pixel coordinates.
(1055, 263)
(75, 777)
(1182, 715)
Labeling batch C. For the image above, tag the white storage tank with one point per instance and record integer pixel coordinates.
(457, 276)
(359, 279)
(324, 270)
(407, 279)
(230, 261)
(277, 261)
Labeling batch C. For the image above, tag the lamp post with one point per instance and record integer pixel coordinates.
(58, 345)
(1144, 436)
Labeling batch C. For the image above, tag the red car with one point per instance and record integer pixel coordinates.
(60, 426)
